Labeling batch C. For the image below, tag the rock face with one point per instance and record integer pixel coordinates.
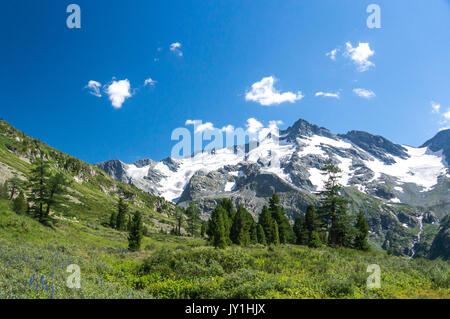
(392, 184)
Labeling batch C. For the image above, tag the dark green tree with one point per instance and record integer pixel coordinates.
(122, 211)
(217, 227)
(362, 231)
(14, 185)
(240, 230)
(193, 219)
(261, 235)
(285, 231)
(203, 229)
(113, 219)
(20, 205)
(298, 231)
(57, 188)
(267, 223)
(254, 233)
(333, 209)
(38, 185)
(314, 241)
(129, 223)
(136, 232)
(179, 217)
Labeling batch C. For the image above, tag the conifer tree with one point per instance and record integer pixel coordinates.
(122, 210)
(218, 226)
(129, 223)
(362, 231)
(240, 230)
(193, 218)
(38, 184)
(267, 223)
(298, 231)
(14, 185)
(261, 235)
(113, 220)
(136, 232)
(203, 229)
(20, 205)
(314, 241)
(179, 213)
(333, 210)
(285, 231)
(254, 233)
(56, 190)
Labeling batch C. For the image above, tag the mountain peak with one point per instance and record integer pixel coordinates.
(303, 128)
(441, 141)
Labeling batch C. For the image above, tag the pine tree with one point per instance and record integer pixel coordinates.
(261, 235)
(285, 231)
(298, 231)
(179, 213)
(217, 227)
(136, 232)
(276, 236)
(203, 229)
(240, 230)
(38, 184)
(314, 241)
(193, 218)
(122, 210)
(56, 189)
(14, 185)
(267, 223)
(254, 233)
(20, 205)
(362, 231)
(129, 223)
(113, 220)
(333, 210)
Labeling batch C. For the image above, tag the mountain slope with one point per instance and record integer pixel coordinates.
(93, 194)
(394, 185)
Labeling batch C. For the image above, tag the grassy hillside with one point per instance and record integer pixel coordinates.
(34, 257)
(181, 267)
(93, 194)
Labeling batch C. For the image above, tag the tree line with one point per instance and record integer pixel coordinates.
(326, 224)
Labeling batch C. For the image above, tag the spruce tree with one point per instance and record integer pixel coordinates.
(136, 232)
(122, 210)
(203, 229)
(179, 216)
(218, 226)
(362, 231)
(254, 233)
(20, 205)
(333, 209)
(129, 223)
(56, 190)
(314, 241)
(193, 218)
(298, 231)
(14, 185)
(267, 223)
(38, 184)
(113, 220)
(261, 235)
(240, 230)
(285, 231)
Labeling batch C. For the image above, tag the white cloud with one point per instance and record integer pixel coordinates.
(367, 94)
(118, 92)
(253, 125)
(327, 94)
(264, 93)
(360, 55)
(150, 82)
(228, 129)
(175, 47)
(446, 115)
(190, 122)
(332, 54)
(435, 106)
(208, 126)
(94, 87)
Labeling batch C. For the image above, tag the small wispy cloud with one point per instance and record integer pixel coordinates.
(176, 48)
(436, 107)
(364, 93)
(94, 88)
(332, 54)
(150, 82)
(328, 94)
(264, 93)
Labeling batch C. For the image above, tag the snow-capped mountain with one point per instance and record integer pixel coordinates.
(371, 163)
(392, 184)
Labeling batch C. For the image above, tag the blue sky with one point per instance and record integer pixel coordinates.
(224, 48)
